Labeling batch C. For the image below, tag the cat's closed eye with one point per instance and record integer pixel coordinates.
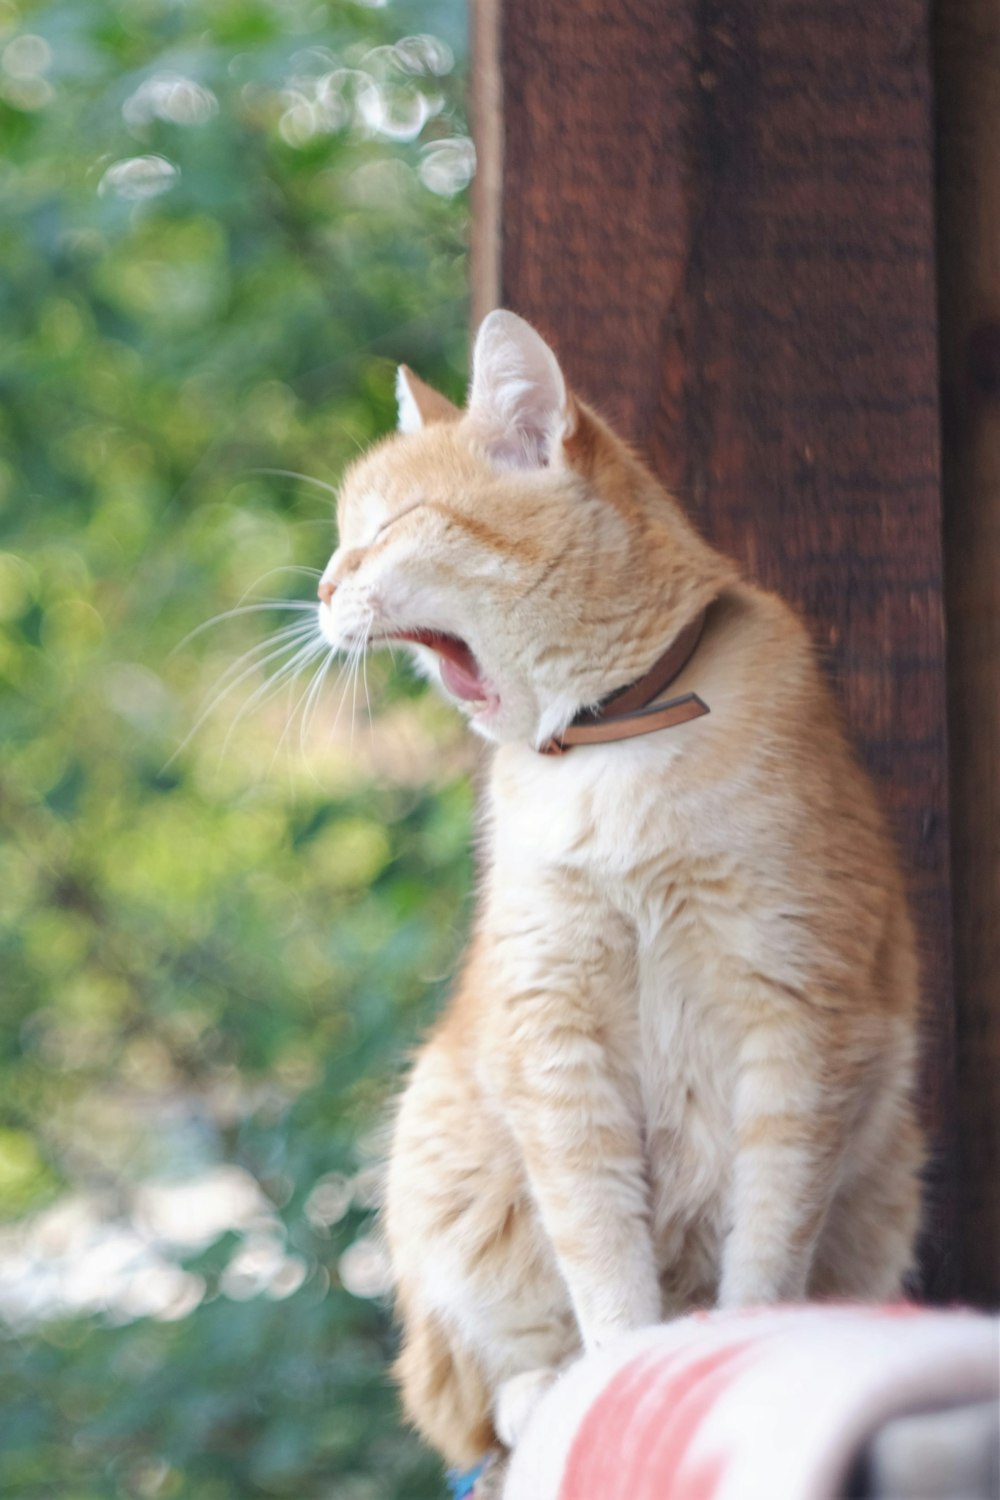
(391, 520)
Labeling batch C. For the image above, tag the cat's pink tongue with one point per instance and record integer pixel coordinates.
(459, 668)
(459, 679)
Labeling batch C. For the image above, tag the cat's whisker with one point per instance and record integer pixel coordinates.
(288, 640)
(346, 675)
(288, 674)
(271, 646)
(364, 675)
(263, 606)
(298, 568)
(312, 702)
(361, 668)
(358, 650)
(321, 484)
(292, 713)
(301, 568)
(272, 683)
(342, 678)
(335, 719)
(334, 657)
(302, 707)
(310, 713)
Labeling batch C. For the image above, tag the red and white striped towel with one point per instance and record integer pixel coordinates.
(767, 1404)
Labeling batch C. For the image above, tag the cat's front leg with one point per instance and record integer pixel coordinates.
(561, 1061)
(791, 1111)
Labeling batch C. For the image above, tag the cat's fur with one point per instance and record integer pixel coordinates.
(678, 1067)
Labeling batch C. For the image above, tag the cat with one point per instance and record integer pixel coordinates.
(677, 1069)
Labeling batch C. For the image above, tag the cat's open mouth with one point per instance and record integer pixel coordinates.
(460, 672)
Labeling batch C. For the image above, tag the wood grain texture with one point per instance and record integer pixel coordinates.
(486, 101)
(968, 77)
(721, 213)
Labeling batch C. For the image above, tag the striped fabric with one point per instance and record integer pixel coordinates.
(767, 1404)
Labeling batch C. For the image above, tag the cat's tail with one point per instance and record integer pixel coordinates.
(443, 1391)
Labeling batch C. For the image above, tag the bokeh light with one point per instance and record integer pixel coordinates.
(229, 901)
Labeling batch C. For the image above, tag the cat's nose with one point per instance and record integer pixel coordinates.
(327, 589)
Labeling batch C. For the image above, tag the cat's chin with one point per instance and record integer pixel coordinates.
(485, 717)
(511, 720)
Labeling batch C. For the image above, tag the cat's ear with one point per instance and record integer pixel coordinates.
(419, 403)
(518, 397)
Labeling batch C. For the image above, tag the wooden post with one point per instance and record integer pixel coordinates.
(722, 215)
(968, 76)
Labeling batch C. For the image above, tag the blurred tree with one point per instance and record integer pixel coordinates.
(221, 222)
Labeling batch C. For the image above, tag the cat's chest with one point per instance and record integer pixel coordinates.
(648, 849)
(665, 863)
(687, 864)
(603, 811)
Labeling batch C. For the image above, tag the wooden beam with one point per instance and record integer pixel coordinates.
(722, 216)
(487, 127)
(968, 86)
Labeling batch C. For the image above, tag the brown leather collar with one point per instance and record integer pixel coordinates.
(631, 710)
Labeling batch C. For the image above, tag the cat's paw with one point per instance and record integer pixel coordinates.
(516, 1399)
(609, 1324)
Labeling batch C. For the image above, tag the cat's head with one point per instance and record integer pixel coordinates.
(517, 546)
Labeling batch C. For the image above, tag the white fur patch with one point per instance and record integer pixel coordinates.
(408, 418)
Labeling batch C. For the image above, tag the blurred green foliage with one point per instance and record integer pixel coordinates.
(221, 222)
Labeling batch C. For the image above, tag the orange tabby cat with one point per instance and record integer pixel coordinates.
(678, 1067)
